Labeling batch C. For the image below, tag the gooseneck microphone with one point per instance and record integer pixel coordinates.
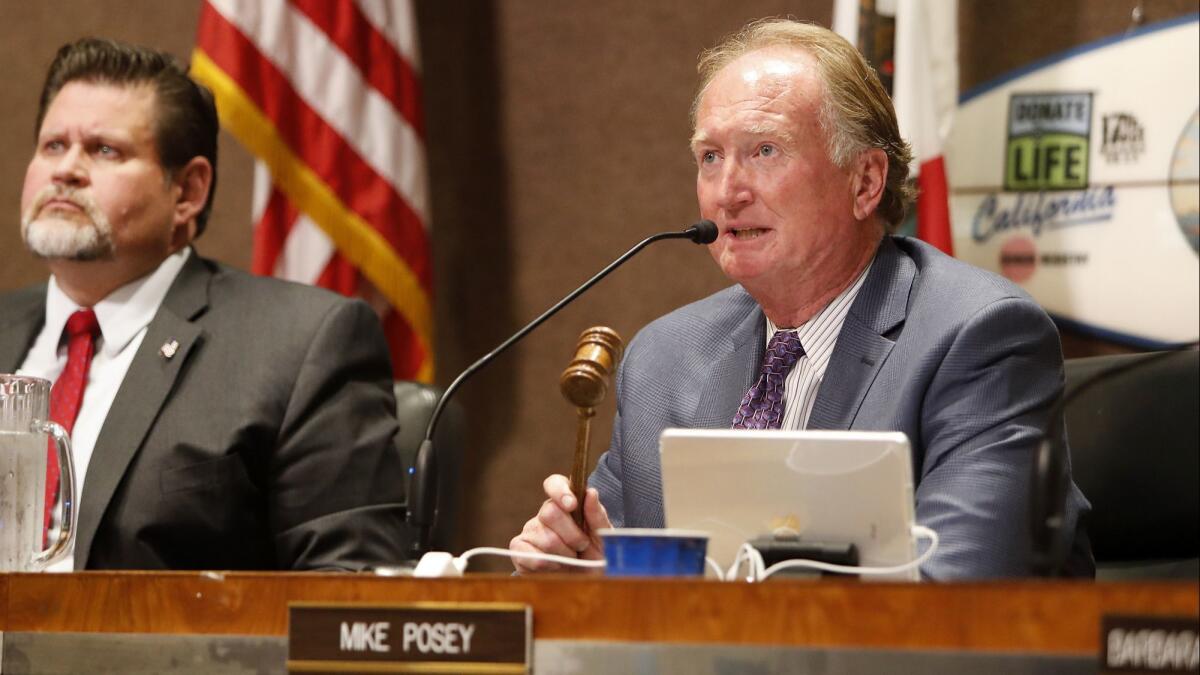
(422, 498)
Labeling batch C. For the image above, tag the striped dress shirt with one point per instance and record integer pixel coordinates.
(818, 336)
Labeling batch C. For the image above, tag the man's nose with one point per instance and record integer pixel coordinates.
(735, 190)
(70, 169)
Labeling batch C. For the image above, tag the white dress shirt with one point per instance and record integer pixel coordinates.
(124, 316)
(818, 336)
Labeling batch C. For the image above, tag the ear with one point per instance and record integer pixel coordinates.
(193, 182)
(867, 181)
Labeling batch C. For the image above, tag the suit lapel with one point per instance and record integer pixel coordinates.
(734, 370)
(862, 346)
(23, 320)
(147, 385)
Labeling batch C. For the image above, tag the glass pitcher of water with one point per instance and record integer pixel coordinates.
(24, 429)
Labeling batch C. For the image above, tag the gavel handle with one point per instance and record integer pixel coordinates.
(580, 465)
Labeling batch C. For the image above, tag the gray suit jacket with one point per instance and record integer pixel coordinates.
(960, 360)
(265, 442)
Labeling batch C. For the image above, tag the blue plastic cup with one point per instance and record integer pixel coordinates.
(650, 552)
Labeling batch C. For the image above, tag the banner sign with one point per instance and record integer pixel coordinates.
(1078, 178)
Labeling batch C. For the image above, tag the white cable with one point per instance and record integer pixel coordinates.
(712, 564)
(490, 550)
(917, 530)
(746, 554)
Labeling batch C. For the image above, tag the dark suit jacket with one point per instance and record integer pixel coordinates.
(265, 442)
(960, 360)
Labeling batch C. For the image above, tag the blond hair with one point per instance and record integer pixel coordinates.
(856, 111)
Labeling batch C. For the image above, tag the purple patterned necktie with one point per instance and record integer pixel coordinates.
(762, 406)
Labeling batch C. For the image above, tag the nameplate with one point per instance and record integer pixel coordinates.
(466, 637)
(1141, 644)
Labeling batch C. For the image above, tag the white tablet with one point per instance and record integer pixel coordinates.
(833, 487)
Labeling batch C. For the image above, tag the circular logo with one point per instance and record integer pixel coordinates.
(1018, 258)
(1183, 181)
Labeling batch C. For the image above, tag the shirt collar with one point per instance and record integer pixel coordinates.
(125, 311)
(839, 305)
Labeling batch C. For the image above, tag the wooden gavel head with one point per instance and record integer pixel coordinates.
(585, 381)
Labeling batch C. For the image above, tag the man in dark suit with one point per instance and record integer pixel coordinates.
(227, 421)
(801, 166)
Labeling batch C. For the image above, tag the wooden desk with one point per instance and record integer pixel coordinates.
(1029, 617)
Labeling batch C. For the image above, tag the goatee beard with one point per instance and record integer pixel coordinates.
(52, 237)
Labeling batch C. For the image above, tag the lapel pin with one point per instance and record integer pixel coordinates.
(169, 348)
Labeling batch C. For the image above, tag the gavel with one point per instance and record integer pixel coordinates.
(584, 384)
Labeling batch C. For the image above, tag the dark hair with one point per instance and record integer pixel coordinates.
(185, 124)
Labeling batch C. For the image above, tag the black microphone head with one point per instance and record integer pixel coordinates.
(703, 232)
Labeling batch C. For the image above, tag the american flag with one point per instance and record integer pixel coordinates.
(326, 95)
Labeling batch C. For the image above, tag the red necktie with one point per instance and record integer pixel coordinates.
(67, 393)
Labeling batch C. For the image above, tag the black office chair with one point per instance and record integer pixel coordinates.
(414, 405)
(1135, 449)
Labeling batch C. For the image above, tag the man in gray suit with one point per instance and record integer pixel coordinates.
(833, 323)
(228, 421)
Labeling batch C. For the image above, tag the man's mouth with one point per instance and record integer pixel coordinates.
(747, 232)
(63, 205)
